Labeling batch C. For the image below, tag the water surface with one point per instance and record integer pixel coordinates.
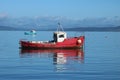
(99, 60)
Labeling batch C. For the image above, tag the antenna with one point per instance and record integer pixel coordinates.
(60, 28)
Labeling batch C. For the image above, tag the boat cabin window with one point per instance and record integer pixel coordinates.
(61, 36)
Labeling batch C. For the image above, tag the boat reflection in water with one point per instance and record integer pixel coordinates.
(61, 57)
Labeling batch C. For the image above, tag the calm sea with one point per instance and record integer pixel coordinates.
(100, 59)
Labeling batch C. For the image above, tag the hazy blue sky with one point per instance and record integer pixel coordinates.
(66, 8)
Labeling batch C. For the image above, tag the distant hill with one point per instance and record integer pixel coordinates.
(50, 23)
(94, 29)
(7, 28)
(66, 29)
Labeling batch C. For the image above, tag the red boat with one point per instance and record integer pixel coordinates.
(60, 41)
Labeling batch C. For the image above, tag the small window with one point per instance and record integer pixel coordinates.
(61, 36)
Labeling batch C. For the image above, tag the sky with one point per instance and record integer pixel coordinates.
(75, 9)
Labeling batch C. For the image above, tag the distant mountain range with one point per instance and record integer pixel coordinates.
(50, 23)
(6, 28)
(94, 29)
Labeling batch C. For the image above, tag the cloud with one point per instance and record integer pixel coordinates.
(40, 22)
(3, 15)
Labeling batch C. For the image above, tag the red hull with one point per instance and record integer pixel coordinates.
(69, 43)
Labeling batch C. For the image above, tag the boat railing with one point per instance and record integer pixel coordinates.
(43, 42)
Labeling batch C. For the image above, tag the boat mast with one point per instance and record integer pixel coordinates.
(60, 28)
